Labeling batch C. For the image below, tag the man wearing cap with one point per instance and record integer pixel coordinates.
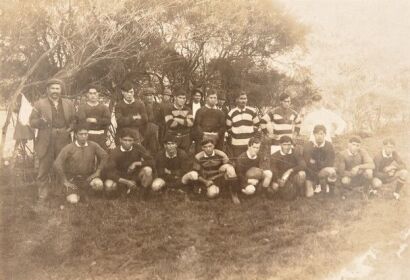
(54, 117)
(355, 165)
(319, 156)
(163, 106)
(210, 122)
(179, 121)
(222, 105)
(130, 113)
(318, 115)
(288, 170)
(171, 164)
(151, 127)
(96, 115)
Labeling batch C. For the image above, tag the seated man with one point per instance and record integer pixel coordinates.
(212, 169)
(389, 167)
(319, 157)
(128, 164)
(355, 165)
(250, 170)
(288, 175)
(76, 165)
(171, 164)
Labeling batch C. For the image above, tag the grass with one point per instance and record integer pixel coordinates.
(170, 238)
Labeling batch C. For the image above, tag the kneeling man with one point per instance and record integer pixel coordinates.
(212, 169)
(355, 164)
(76, 165)
(171, 164)
(389, 167)
(288, 170)
(319, 157)
(128, 164)
(249, 168)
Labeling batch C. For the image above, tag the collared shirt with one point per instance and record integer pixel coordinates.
(214, 107)
(169, 156)
(124, 150)
(57, 114)
(283, 154)
(386, 155)
(251, 157)
(213, 154)
(318, 146)
(129, 102)
(80, 146)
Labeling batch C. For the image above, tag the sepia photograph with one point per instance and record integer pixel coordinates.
(204, 139)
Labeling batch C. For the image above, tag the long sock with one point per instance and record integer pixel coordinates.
(398, 187)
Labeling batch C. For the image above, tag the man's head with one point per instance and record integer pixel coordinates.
(389, 145)
(284, 99)
(127, 138)
(149, 95)
(317, 100)
(93, 94)
(167, 95)
(211, 98)
(241, 99)
(286, 144)
(254, 145)
(54, 88)
(221, 98)
(319, 132)
(354, 144)
(208, 146)
(180, 98)
(170, 145)
(81, 133)
(197, 96)
(127, 91)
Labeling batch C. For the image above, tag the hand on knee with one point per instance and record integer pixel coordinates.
(376, 183)
(73, 198)
(368, 173)
(110, 185)
(346, 181)
(249, 190)
(253, 182)
(158, 184)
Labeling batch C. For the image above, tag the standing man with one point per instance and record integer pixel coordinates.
(319, 156)
(281, 121)
(163, 106)
(209, 122)
(130, 113)
(196, 102)
(54, 118)
(151, 128)
(355, 164)
(79, 165)
(288, 170)
(242, 124)
(96, 115)
(179, 121)
(389, 167)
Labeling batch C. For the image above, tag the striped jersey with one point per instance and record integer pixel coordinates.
(242, 124)
(208, 166)
(184, 114)
(282, 122)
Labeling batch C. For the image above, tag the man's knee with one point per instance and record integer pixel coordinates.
(190, 176)
(158, 184)
(97, 184)
(267, 174)
(300, 177)
(346, 180)
(212, 191)
(229, 170)
(254, 173)
(368, 173)
(249, 189)
(110, 185)
(146, 171)
(73, 198)
(402, 175)
(377, 183)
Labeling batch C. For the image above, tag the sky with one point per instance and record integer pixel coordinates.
(374, 34)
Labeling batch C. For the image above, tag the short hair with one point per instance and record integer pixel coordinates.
(54, 81)
(207, 141)
(254, 140)
(388, 141)
(127, 132)
(285, 139)
(167, 91)
(197, 90)
(355, 139)
(97, 88)
(126, 86)
(210, 92)
(317, 97)
(148, 91)
(169, 138)
(319, 128)
(180, 92)
(284, 96)
(240, 93)
(81, 126)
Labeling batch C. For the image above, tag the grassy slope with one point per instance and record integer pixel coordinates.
(169, 238)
